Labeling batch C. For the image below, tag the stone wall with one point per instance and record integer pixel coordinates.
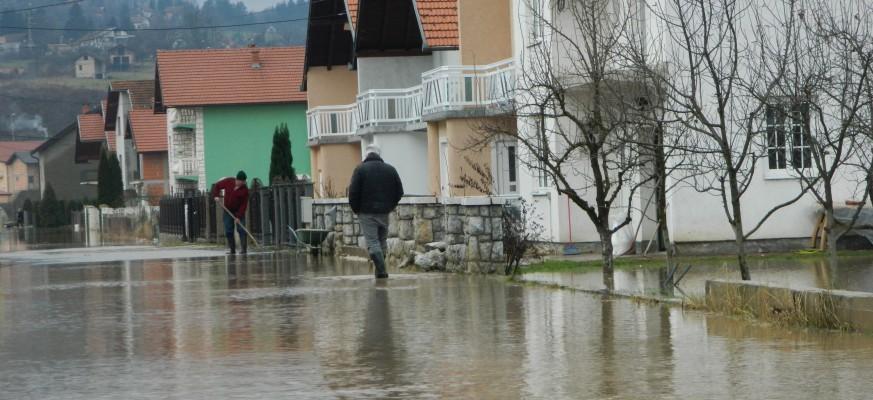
(458, 235)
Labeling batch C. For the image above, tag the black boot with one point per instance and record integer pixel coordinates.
(231, 244)
(379, 261)
(244, 245)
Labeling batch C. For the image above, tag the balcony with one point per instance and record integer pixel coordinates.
(186, 168)
(389, 106)
(184, 120)
(469, 88)
(332, 121)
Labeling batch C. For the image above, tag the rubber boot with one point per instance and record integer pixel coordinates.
(231, 244)
(244, 245)
(379, 262)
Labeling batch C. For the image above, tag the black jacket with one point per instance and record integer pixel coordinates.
(375, 187)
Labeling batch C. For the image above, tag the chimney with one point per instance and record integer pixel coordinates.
(86, 108)
(256, 58)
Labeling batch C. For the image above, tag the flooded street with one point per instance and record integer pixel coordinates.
(275, 325)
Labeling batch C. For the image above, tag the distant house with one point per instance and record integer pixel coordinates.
(10, 44)
(24, 172)
(140, 137)
(58, 167)
(141, 21)
(89, 67)
(59, 48)
(120, 58)
(103, 40)
(272, 37)
(222, 107)
(90, 135)
(15, 169)
(149, 131)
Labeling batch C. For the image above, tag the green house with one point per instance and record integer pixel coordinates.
(222, 107)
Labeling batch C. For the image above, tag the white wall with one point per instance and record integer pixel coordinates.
(400, 72)
(407, 152)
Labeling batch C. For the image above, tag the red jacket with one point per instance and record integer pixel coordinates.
(236, 200)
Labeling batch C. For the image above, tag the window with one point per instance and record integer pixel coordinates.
(80, 67)
(537, 23)
(30, 179)
(787, 133)
(542, 148)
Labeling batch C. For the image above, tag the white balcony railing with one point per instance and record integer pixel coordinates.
(185, 167)
(184, 118)
(456, 88)
(332, 121)
(389, 106)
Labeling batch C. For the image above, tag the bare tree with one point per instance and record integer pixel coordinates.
(819, 97)
(577, 103)
(715, 81)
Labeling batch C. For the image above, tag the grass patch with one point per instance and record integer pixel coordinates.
(634, 262)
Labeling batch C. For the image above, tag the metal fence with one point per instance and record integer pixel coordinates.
(188, 216)
(272, 210)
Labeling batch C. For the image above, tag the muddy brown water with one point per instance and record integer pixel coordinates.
(279, 326)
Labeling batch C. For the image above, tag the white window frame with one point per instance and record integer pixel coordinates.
(788, 120)
(536, 15)
(543, 180)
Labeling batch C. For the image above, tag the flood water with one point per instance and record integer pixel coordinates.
(850, 273)
(278, 326)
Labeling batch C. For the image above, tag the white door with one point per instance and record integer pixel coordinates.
(444, 169)
(506, 167)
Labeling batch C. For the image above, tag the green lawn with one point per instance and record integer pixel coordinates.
(632, 262)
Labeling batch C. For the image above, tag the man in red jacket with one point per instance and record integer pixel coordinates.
(236, 200)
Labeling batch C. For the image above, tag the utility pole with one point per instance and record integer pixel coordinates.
(12, 125)
(30, 27)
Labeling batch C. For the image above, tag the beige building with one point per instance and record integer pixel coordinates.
(19, 170)
(89, 67)
(422, 95)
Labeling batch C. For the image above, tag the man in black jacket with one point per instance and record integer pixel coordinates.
(374, 192)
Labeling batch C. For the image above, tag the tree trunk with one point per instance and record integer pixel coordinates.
(739, 233)
(830, 224)
(608, 259)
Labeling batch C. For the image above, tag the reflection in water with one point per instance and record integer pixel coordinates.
(278, 326)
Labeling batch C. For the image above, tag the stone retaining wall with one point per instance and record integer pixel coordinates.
(465, 235)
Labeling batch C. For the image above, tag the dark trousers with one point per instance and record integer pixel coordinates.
(228, 229)
(374, 227)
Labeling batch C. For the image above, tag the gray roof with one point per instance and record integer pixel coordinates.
(26, 157)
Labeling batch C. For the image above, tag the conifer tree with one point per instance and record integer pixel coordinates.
(281, 160)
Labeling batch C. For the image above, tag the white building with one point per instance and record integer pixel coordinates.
(695, 217)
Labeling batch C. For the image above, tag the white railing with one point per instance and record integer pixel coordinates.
(184, 116)
(185, 167)
(455, 88)
(332, 121)
(389, 106)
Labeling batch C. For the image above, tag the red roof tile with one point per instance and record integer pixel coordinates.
(142, 93)
(352, 6)
(226, 76)
(439, 21)
(149, 130)
(91, 128)
(8, 149)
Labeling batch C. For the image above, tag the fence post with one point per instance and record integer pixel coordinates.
(265, 215)
(187, 230)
